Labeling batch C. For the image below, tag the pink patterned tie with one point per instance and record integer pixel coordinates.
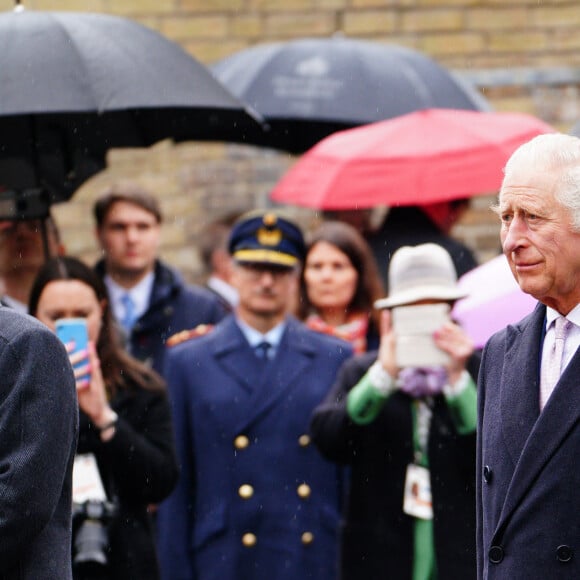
(552, 360)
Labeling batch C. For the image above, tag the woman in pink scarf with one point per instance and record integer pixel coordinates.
(339, 285)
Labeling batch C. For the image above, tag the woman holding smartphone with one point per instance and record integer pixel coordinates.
(125, 425)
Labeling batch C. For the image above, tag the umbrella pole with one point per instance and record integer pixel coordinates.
(44, 234)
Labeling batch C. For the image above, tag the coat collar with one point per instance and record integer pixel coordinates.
(295, 355)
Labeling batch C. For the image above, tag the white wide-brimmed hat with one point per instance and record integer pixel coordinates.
(424, 272)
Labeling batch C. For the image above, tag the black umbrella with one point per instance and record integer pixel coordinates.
(73, 85)
(309, 88)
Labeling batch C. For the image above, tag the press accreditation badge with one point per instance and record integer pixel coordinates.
(417, 499)
(87, 484)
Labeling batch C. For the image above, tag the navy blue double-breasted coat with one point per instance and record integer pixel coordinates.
(528, 464)
(255, 500)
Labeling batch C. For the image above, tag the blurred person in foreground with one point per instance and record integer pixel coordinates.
(125, 419)
(23, 250)
(529, 391)
(339, 285)
(255, 499)
(408, 434)
(149, 299)
(38, 427)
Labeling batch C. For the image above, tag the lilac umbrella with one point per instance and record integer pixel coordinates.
(495, 300)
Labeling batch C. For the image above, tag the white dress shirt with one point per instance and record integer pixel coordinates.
(254, 337)
(573, 338)
(140, 295)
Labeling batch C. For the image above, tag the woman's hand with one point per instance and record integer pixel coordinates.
(387, 346)
(91, 391)
(452, 339)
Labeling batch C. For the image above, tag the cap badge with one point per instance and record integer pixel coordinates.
(269, 235)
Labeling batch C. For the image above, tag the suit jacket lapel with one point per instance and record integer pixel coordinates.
(519, 397)
(232, 352)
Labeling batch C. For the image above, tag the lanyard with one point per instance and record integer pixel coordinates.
(422, 414)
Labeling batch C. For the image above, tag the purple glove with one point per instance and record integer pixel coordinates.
(422, 381)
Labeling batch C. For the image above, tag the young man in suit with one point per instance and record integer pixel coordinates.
(255, 500)
(149, 299)
(529, 417)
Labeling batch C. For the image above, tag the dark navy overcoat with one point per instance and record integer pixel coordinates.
(528, 464)
(255, 499)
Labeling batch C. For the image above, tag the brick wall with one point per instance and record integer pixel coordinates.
(524, 55)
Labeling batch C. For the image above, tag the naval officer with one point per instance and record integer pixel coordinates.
(255, 499)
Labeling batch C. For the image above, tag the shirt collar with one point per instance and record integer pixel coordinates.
(15, 304)
(572, 316)
(140, 294)
(254, 337)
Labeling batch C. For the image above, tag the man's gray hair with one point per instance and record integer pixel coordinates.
(551, 152)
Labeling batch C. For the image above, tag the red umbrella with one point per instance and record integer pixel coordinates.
(423, 157)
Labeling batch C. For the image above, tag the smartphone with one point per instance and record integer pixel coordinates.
(414, 327)
(74, 329)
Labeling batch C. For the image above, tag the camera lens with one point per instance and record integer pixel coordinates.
(90, 544)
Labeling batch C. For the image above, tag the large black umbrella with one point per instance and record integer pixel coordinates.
(73, 85)
(309, 88)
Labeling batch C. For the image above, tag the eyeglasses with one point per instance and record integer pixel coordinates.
(257, 271)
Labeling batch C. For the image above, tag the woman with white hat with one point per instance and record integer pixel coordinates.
(404, 419)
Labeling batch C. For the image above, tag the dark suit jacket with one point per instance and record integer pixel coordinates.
(219, 394)
(528, 496)
(378, 537)
(174, 306)
(38, 431)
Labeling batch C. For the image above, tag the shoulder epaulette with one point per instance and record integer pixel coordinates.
(184, 335)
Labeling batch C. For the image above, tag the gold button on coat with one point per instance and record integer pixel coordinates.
(304, 491)
(249, 540)
(304, 440)
(246, 491)
(307, 538)
(241, 442)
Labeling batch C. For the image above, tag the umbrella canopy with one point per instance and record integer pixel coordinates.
(419, 158)
(309, 88)
(494, 300)
(73, 85)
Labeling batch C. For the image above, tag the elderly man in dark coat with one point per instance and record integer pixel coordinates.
(38, 432)
(528, 475)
